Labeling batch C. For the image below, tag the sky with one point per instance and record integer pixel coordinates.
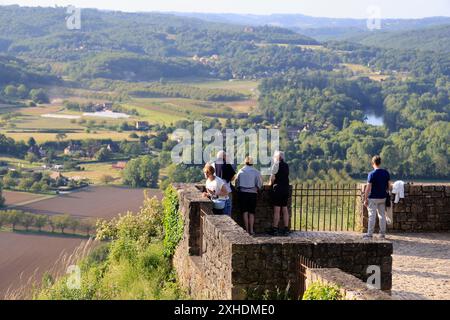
(318, 8)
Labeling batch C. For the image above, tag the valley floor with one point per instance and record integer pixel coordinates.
(26, 256)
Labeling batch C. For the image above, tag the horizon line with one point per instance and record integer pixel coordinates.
(222, 13)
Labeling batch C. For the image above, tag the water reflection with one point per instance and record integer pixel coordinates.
(374, 120)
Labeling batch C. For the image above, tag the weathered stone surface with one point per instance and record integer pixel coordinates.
(217, 259)
(351, 287)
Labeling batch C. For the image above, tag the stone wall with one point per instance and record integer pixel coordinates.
(264, 210)
(274, 262)
(425, 208)
(217, 259)
(351, 287)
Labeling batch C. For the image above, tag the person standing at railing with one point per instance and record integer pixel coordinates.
(248, 183)
(279, 181)
(375, 197)
(225, 171)
(216, 189)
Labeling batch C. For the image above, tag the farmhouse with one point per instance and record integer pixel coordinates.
(38, 151)
(71, 149)
(56, 175)
(142, 125)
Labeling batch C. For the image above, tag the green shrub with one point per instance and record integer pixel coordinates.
(173, 221)
(321, 291)
(131, 266)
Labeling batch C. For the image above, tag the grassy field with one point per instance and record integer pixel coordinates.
(19, 163)
(95, 171)
(364, 71)
(170, 110)
(241, 86)
(43, 137)
(31, 123)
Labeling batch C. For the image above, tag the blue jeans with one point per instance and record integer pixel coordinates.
(227, 209)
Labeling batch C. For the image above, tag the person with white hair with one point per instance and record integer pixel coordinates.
(226, 172)
(248, 183)
(279, 181)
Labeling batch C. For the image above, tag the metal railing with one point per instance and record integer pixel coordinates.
(325, 207)
(304, 264)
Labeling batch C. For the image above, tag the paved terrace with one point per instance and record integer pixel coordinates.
(421, 266)
(421, 261)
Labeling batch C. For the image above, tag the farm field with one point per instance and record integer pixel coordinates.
(241, 86)
(364, 71)
(28, 256)
(41, 137)
(94, 173)
(41, 122)
(16, 198)
(20, 162)
(96, 202)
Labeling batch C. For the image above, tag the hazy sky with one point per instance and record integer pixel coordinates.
(319, 8)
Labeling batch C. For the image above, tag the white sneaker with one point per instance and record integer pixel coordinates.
(367, 237)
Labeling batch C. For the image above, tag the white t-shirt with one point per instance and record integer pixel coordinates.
(215, 187)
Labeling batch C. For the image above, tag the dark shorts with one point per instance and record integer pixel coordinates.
(247, 202)
(280, 196)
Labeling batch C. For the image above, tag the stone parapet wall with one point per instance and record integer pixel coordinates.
(350, 287)
(217, 259)
(264, 210)
(426, 207)
(274, 262)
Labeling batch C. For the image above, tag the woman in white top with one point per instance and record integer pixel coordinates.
(216, 189)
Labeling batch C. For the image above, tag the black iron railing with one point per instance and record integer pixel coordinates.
(304, 264)
(325, 207)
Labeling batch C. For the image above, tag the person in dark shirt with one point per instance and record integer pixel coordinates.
(226, 172)
(279, 180)
(375, 195)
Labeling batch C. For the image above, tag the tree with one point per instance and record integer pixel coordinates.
(31, 142)
(61, 136)
(10, 91)
(103, 154)
(61, 221)
(39, 96)
(106, 179)
(25, 183)
(141, 172)
(2, 199)
(40, 221)
(3, 218)
(74, 224)
(31, 157)
(22, 91)
(14, 218)
(87, 225)
(27, 220)
(9, 182)
(51, 223)
(36, 187)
